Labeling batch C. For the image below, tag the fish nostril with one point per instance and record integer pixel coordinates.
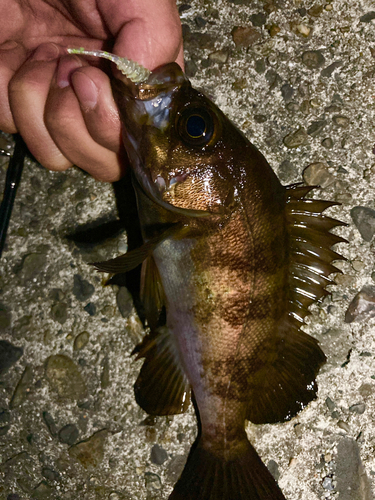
(160, 182)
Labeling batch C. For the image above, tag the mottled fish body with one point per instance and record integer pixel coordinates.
(235, 259)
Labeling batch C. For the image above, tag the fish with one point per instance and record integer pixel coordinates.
(231, 262)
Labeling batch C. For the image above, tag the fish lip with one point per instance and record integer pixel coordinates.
(164, 185)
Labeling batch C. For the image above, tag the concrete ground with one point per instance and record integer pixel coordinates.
(298, 78)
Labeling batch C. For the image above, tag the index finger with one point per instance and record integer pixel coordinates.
(146, 31)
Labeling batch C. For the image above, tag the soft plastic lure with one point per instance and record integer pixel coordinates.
(132, 70)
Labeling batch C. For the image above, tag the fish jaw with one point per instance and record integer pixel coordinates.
(147, 106)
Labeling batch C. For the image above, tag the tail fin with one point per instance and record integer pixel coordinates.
(211, 477)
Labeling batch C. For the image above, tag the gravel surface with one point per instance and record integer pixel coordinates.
(298, 78)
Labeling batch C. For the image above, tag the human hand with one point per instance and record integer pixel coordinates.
(62, 106)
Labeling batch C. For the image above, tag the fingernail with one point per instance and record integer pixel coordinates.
(66, 67)
(46, 52)
(86, 90)
(9, 45)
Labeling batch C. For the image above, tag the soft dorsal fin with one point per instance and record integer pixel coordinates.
(285, 384)
(310, 249)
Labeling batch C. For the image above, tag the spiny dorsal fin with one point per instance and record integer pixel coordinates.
(310, 249)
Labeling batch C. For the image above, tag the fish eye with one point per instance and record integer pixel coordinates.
(196, 126)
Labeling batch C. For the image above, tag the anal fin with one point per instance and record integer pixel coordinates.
(161, 387)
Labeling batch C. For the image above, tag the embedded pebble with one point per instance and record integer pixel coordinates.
(220, 56)
(317, 174)
(327, 483)
(364, 220)
(341, 121)
(9, 355)
(358, 408)
(22, 388)
(91, 451)
(331, 405)
(368, 17)
(158, 455)
(313, 59)
(33, 265)
(82, 289)
(287, 92)
(5, 319)
(287, 170)
(328, 71)
(175, 467)
(104, 376)
(59, 312)
(273, 467)
(81, 341)
(90, 308)
(68, 434)
(327, 143)
(295, 139)
(351, 479)
(343, 425)
(50, 474)
(316, 127)
(65, 378)
(153, 481)
(50, 423)
(124, 301)
(362, 307)
(258, 19)
(245, 36)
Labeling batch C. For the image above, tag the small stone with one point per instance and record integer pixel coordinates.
(315, 10)
(287, 170)
(245, 36)
(273, 78)
(64, 377)
(358, 265)
(91, 451)
(316, 127)
(43, 492)
(260, 118)
(175, 467)
(331, 405)
(90, 308)
(327, 143)
(327, 483)
(82, 289)
(260, 66)
(153, 481)
(364, 220)
(32, 266)
(184, 7)
(368, 17)
(200, 22)
(190, 68)
(327, 72)
(158, 455)
(341, 121)
(273, 467)
(259, 19)
(59, 312)
(352, 481)
(303, 29)
(343, 425)
(50, 423)
(296, 138)
(124, 302)
(22, 389)
(274, 30)
(4, 416)
(287, 92)
(313, 59)
(81, 341)
(68, 434)
(50, 474)
(9, 355)
(362, 307)
(104, 376)
(219, 56)
(317, 174)
(5, 318)
(358, 408)
(4, 430)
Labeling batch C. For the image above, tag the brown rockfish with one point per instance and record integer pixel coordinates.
(235, 258)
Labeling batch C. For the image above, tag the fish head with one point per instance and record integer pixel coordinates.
(180, 145)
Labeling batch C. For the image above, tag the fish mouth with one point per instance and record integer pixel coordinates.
(168, 185)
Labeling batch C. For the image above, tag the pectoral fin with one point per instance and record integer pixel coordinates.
(161, 387)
